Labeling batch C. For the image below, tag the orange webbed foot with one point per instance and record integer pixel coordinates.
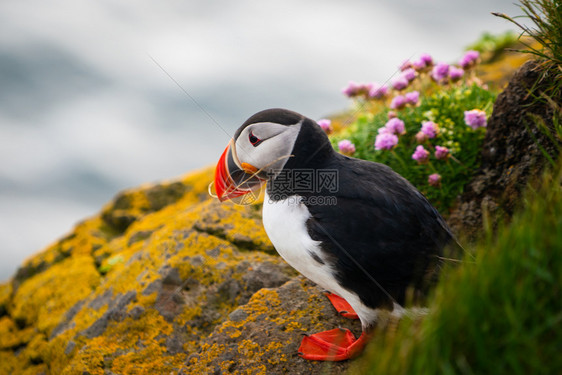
(342, 306)
(334, 345)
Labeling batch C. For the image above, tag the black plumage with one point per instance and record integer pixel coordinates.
(382, 236)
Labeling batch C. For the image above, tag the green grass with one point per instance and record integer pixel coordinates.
(491, 46)
(498, 315)
(545, 28)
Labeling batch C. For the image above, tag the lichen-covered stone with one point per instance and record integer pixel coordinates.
(263, 336)
(144, 297)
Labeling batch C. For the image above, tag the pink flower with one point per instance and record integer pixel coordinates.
(434, 180)
(326, 125)
(421, 137)
(356, 89)
(424, 61)
(398, 102)
(421, 155)
(346, 147)
(427, 59)
(405, 65)
(409, 74)
(399, 83)
(377, 91)
(418, 65)
(395, 126)
(475, 118)
(351, 89)
(385, 141)
(429, 128)
(441, 153)
(455, 73)
(412, 97)
(469, 59)
(440, 72)
(391, 114)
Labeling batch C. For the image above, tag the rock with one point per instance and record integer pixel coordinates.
(140, 295)
(511, 155)
(263, 336)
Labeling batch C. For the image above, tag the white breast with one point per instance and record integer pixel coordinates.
(285, 224)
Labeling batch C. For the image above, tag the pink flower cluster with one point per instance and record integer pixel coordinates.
(402, 92)
(421, 155)
(400, 101)
(385, 141)
(346, 147)
(475, 118)
(326, 125)
(441, 153)
(409, 71)
(444, 73)
(356, 89)
(469, 59)
(429, 130)
(394, 126)
(424, 62)
(367, 90)
(403, 80)
(387, 136)
(434, 180)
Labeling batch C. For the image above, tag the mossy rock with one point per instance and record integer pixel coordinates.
(263, 336)
(159, 294)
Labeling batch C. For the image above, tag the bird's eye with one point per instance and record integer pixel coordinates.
(254, 140)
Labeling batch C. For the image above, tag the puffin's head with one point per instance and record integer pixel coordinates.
(260, 148)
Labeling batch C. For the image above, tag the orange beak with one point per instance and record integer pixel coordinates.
(234, 179)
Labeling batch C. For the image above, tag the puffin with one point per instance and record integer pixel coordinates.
(356, 228)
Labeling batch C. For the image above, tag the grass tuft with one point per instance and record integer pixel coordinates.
(499, 315)
(546, 30)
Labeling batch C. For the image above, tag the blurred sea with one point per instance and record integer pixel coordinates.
(86, 112)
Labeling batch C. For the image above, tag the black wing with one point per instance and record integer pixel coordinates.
(382, 233)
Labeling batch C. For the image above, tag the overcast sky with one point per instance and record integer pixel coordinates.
(86, 109)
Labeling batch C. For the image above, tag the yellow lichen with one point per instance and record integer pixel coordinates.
(194, 235)
(293, 326)
(44, 298)
(11, 336)
(5, 295)
(248, 349)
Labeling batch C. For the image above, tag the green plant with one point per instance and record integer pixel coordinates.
(546, 16)
(449, 154)
(491, 46)
(498, 315)
(553, 132)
